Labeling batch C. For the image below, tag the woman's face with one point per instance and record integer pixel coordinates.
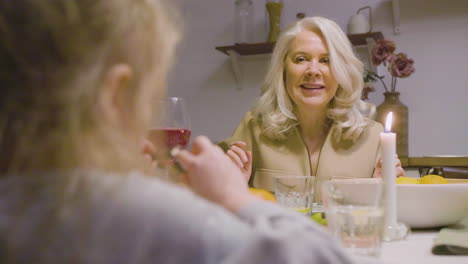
(309, 80)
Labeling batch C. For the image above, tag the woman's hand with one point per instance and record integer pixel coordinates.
(400, 172)
(242, 158)
(212, 175)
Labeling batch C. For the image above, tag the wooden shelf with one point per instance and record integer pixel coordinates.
(362, 39)
(238, 50)
(245, 49)
(248, 48)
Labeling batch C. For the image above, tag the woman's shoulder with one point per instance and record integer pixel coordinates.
(251, 118)
(250, 124)
(374, 126)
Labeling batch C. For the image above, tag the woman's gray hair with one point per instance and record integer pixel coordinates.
(276, 109)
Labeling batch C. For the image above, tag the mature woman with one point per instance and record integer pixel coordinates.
(307, 121)
(78, 78)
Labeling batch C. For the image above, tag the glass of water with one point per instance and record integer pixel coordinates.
(295, 193)
(355, 213)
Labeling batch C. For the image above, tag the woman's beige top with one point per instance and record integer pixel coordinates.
(291, 157)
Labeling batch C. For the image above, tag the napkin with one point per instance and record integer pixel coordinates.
(452, 240)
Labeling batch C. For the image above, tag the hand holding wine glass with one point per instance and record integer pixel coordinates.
(170, 130)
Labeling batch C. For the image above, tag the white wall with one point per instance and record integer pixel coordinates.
(434, 33)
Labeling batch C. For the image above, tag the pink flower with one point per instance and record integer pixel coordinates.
(383, 51)
(401, 66)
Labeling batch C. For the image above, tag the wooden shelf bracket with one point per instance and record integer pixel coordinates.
(396, 16)
(236, 68)
(239, 51)
(370, 46)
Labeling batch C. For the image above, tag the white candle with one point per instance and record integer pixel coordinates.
(388, 142)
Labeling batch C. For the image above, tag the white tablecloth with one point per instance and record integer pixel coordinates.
(416, 249)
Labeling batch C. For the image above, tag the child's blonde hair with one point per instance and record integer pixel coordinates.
(53, 57)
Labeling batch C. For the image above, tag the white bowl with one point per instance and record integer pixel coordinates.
(432, 205)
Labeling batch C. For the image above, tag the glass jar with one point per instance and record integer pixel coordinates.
(243, 21)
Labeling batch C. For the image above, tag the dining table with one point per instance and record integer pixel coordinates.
(417, 249)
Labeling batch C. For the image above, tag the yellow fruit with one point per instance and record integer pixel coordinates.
(319, 218)
(303, 210)
(407, 180)
(264, 194)
(433, 179)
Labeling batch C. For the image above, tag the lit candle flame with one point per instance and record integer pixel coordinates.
(388, 122)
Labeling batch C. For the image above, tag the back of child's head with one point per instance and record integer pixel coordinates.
(53, 56)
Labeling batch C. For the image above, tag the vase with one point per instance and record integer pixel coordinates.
(393, 104)
(274, 9)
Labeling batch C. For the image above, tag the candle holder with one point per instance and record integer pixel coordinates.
(393, 104)
(396, 232)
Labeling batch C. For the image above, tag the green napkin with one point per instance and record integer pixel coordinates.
(452, 240)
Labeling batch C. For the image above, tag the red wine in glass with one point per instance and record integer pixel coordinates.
(171, 129)
(169, 137)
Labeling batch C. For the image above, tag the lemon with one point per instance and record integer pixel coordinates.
(407, 180)
(433, 179)
(264, 194)
(303, 210)
(319, 218)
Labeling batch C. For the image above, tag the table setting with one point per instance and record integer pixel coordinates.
(353, 211)
(378, 220)
(388, 220)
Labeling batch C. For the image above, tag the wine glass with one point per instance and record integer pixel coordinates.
(170, 130)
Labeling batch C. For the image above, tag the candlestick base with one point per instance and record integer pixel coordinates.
(396, 232)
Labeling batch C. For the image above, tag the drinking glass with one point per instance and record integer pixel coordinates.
(295, 193)
(170, 129)
(243, 21)
(355, 213)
